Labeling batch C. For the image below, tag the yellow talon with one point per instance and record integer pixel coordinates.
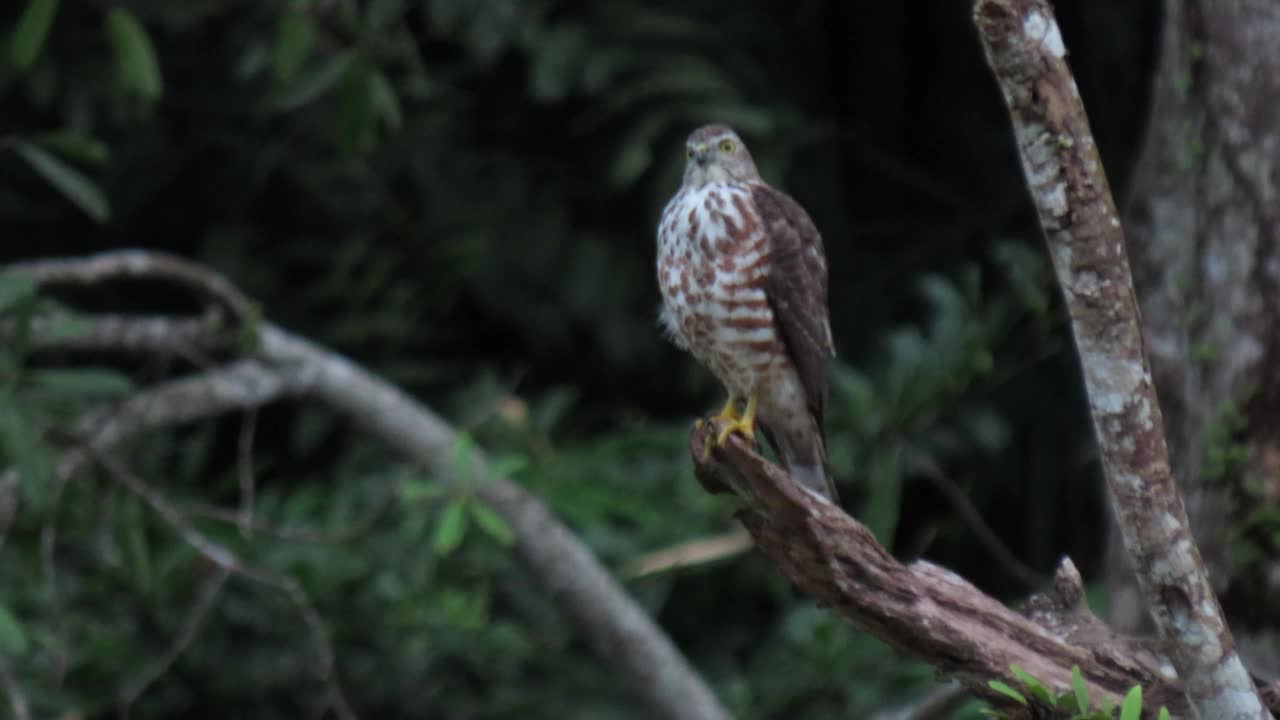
(745, 424)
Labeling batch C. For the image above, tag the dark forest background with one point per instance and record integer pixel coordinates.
(462, 196)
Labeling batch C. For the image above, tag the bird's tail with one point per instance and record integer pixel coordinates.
(804, 454)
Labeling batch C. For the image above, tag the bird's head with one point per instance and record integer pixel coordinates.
(715, 153)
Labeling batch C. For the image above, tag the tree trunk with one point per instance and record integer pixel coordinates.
(1204, 225)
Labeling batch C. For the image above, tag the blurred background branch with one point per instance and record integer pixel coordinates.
(288, 367)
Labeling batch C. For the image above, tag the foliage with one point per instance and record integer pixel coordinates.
(1224, 454)
(1073, 704)
(460, 195)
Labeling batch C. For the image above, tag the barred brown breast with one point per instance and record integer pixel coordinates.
(712, 265)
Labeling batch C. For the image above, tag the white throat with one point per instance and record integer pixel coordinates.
(699, 175)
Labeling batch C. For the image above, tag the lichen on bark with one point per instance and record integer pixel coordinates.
(1086, 242)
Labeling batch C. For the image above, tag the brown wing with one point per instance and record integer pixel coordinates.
(797, 290)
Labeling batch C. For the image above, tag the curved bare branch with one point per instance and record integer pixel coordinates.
(285, 365)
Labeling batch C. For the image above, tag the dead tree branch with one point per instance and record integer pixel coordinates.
(1078, 216)
(922, 609)
(283, 365)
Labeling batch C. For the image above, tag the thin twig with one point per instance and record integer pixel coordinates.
(226, 559)
(210, 591)
(63, 471)
(17, 699)
(933, 705)
(963, 507)
(691, 553)
(244, 451)
(290, 533)
(162, 336)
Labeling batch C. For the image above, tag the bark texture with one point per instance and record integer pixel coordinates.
(1082, 229)
(922, 609)
(1204, 228)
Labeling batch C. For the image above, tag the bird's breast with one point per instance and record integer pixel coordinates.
(712, 267)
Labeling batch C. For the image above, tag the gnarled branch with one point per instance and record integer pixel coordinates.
(920, 608)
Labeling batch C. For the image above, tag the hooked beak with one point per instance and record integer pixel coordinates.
(701, 155)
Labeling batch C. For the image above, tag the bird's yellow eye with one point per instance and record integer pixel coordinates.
(726, 146)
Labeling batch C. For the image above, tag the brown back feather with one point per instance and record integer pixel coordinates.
(797, 290)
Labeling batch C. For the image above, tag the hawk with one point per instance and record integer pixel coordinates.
(744, 290)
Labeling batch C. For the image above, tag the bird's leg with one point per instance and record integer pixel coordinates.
(729, 413)
(745, 423)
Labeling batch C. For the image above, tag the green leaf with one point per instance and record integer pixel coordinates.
(1164, 714)
(355, 124)
(385, 101)
(89, 383)
(418, 489)
(73, 184)
(13, 639)
(21, 447)
(1007, 691)
(136, 62)
(134, 527)
(30, 33)
(1033, 685)
(507, 465)
(381, 13)
(884, 503)
(313, 83)
(630, 163)
(73, 145)
(462, 449)
(450, 528)
(15, 288)
(1080, 690)
(294, 39)
(1131, 709)
(492, 523)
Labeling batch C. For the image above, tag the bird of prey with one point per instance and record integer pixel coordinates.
(744, 290)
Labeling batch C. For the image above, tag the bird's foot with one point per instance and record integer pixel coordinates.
(727, 416)
(744, 424)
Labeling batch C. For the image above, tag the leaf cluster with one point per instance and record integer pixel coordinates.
(1074, 704)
